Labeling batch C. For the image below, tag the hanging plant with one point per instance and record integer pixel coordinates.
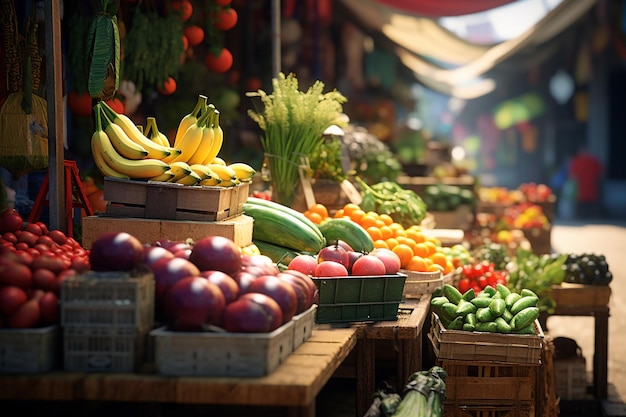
(103, 43)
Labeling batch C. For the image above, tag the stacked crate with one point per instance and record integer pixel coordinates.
(106, 317)
(489, 374)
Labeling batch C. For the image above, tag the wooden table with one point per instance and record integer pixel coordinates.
(294, 385)
(406, 335)
(589, 300)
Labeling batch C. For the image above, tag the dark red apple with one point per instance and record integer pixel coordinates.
(168, 271)
(227, 284)
(154, 253)
(192, 303)
(24, 236)
(252, 313)
(308, 281)
(11, 298)
(334, 253)
(243, 279)
(58, 236)
(279, 290)
(15, 273)
(33, 228)
(44, 279)
(10, 221)
(259, 265)
(27, 316)
(216, 253)
(115, 251)
(353, 256)
(303, 295)
(50, 308)
(345, 245)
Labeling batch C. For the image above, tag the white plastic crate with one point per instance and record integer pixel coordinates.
(303, 326)
(103, 348)
(116, 299)
(29, 350)
(221, 354)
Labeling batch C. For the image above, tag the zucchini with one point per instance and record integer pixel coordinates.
(283, 229)
(288, 210)
(350, 232)
(277, 253)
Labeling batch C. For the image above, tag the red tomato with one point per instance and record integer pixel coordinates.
(482, 281)
(226, 19)
(464, 285)
(220, 62)
(79, 104)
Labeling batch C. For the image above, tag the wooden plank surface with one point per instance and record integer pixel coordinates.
(62, 386)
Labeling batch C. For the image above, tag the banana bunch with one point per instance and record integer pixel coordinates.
(122, 149)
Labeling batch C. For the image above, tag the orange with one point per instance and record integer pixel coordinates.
(391, 242)
(422, 250)
(374, 233)
(404, 252)
(380, 244)
(339, 213)
(356, 215)
(319, 209)
(418, 264)
(432, 248)
(387, 219)
(386, 231)
(434, 240)
(439, 258)
(367, 221)
(416, 235)
(380, 223)
(449, 267)
(314, 217)
(349, 208)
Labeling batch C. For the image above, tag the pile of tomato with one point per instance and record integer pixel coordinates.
(478, 275)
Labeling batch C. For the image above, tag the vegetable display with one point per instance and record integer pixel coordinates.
(587, 268)
(493, 310)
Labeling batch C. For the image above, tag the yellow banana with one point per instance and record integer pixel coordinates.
(217, 160)
(224, 172)
(244, 172)
(119, 139)
(189, 119)
(164, 177)
(215, 181)
(229, 183)
(191, 179)
(190, 140)
(203, 171)
(180, 169)
(139, 169)
(218, 137)
(206, 144)
(155, 150)
(153, 133)
(98, 160)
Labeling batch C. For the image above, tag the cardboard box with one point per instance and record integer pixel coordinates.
(238, 229)
(163, 200)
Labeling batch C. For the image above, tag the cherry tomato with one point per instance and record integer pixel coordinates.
(464, 285)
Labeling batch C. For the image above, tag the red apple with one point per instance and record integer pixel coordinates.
(368, 265)
(10, 221)
(389, 258)
(227, 284)
(192, 303)
(303, 263)
(353, 256)
(330, 269)
(303, 295)
(334, 253)
(50, 308)
(243, 278)
(28, 315)
(115, 251)
(11, 298)
(155, 253)
(216, 253)
(44, 279)
(252, 313)
(279, 290)
(308, 281)
(14, 273)
(259, 265)
(168, 271)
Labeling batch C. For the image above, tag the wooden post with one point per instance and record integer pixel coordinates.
(56, 114)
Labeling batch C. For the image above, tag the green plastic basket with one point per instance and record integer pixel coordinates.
(359, 298)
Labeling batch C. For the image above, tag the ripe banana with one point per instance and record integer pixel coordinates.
(203, 171)
(206, 144)
(123, 145)
(152, 132)
(190, 141)
(224, 172)
(218, 137)
(190, 119)
(217, 160)
(142, 168)
(191, 179)
(164, 177)
(180, 169)
(102, 166)
(155, 150)
(213, 181)
(244, 172)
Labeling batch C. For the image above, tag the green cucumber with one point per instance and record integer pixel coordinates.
(277, 253)
(468, 327)
(288, 210)
(511, 299)
(469, 295)
(350, 232)
(464, 308)
(481, 301)
(497, 306)
(524, 302)
(503, 326)
(524, 318)
(503, 290)
(489, 326)
(448, 311)
(484, 314)
(452, 293)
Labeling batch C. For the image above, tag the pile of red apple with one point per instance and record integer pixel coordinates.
(340, 260)
(33, 263)
(208, 284)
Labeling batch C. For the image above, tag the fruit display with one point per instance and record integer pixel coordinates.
(446, 197)
(122, 150)
(524, 216)
(526, 192)
(34, 261)
(588, 269)
(494, 309)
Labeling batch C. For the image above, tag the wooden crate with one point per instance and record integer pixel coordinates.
(540, 239)
(580, 295)
(418, 283)
(163, 200)
(570, 376)
(461, 218)
(482, 346)
(475, 388)
(238, 229)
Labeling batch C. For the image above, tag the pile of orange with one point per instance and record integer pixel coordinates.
(417, 251)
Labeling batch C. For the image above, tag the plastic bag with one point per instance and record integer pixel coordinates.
(23, 137)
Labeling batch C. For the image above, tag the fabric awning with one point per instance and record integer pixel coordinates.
(440, 8)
